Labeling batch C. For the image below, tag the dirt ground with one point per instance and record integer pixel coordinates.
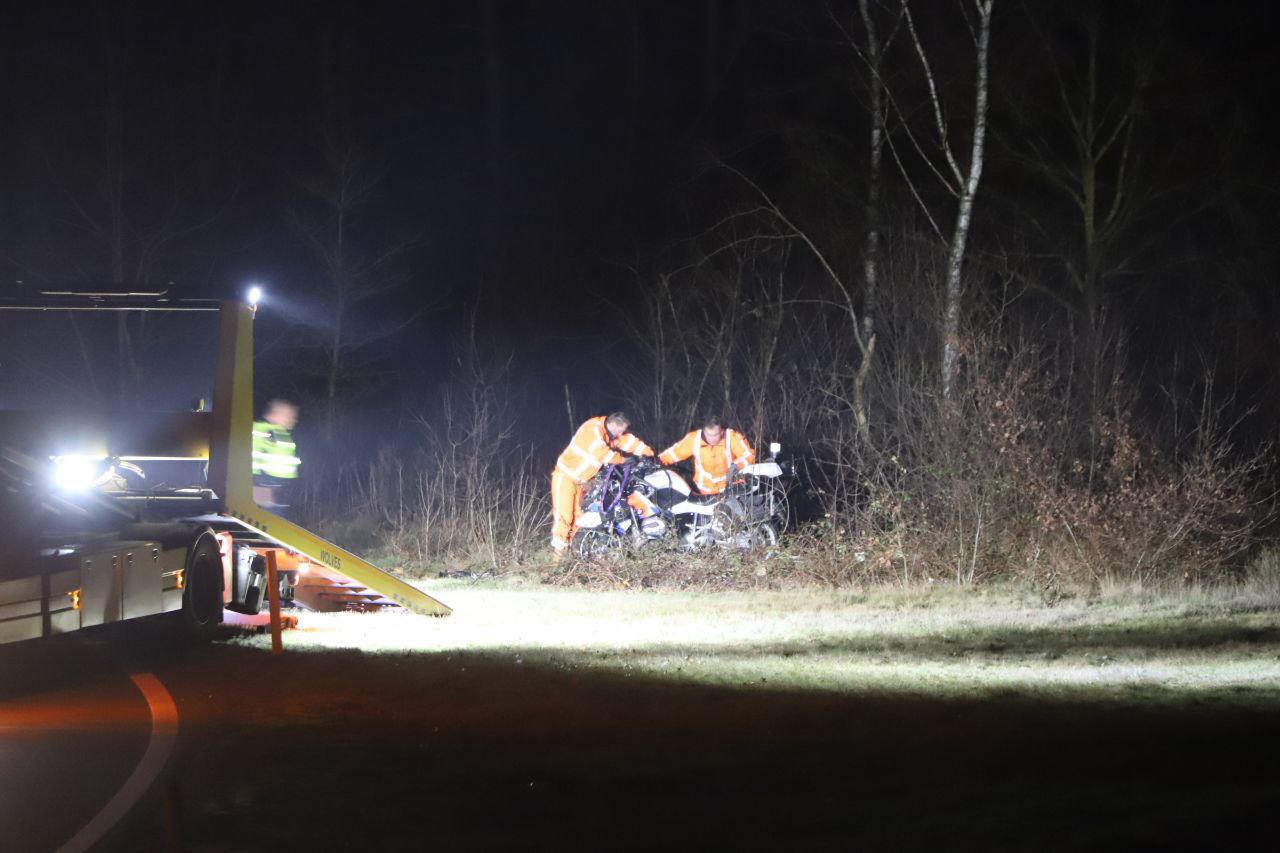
(334, 749)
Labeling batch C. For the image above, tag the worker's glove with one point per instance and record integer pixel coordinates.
(645, 463)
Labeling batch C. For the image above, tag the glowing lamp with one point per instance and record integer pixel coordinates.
(75, 473)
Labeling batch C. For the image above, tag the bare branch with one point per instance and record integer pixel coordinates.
(940, 123)
(813, 248)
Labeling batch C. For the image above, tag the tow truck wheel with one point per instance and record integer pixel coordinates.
(202, 592)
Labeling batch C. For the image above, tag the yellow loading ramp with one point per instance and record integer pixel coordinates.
(230, 473)
(316, 586)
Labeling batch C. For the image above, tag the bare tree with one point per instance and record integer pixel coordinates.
(871, 50)
(355, 266)
(959, 180)
(1089, 161)
(846, 293)
(875, 148)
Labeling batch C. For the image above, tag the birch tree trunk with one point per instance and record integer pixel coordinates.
(960, 182)
(873, 55)
(964, 214)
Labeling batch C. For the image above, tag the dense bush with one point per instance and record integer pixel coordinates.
(1021, 477)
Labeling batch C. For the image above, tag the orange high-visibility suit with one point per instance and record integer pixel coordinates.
(590, 449)
(710, 461)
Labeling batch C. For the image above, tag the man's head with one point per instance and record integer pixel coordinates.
(713, 430)
(617, 424)
(282, 413)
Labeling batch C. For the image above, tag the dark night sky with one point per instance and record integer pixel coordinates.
(608, 115)
(591, 151)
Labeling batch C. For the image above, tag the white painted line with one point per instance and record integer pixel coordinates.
(164, 731)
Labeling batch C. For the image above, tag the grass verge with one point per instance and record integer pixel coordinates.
(1218, 646)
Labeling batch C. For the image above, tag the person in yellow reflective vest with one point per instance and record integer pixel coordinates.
(599, 441)
(714, 449)
(275, 455)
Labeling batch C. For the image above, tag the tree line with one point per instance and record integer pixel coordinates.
(995, 273)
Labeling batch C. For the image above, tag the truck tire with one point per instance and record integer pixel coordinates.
(202, 590)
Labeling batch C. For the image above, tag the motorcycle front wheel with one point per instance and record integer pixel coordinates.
(596, 543)
(762, 537)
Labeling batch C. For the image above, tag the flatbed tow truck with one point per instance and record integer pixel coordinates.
(82, 543)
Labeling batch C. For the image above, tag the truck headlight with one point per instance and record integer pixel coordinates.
(76, 473)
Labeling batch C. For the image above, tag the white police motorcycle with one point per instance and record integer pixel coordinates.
(640, 503)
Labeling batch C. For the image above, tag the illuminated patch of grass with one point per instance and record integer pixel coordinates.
(1130, 646)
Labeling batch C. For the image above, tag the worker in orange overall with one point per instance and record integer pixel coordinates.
(597, 442)
(714, 450)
